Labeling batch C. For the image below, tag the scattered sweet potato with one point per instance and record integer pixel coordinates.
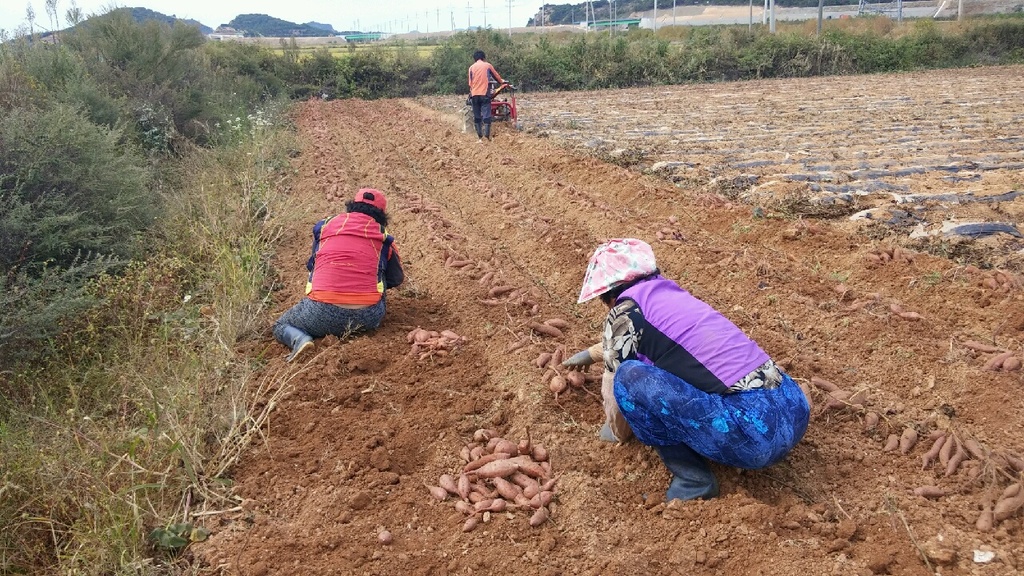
(985, 520)
(958, 456)
(471, 524)
(891, 443)
(823, 384)
(575, 379)
(870, 421)
(539, 517)
(1011, 364)
(981, 346)
(558, 384)
(542, 360)
(540, 453)
(929, 457)
(1007, 505)
(907, 440)
(929, 491)
(500, 291)
(438, 493)
(448, 483)
(996, 362)
(545, 330)
(946, 452)
(974, 448)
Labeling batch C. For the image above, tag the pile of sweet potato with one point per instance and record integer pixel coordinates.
(498, 476)
(431, 343)
(557, 378)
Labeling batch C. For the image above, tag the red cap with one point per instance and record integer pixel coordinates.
(373, 198)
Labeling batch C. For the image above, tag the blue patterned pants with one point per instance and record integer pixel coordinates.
(318, 320)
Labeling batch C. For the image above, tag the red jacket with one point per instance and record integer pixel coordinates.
(354, 260)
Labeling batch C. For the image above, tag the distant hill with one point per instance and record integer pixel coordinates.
(263, 25)
(144, 14)
(322, 26)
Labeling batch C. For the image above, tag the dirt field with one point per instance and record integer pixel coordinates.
(365, 425)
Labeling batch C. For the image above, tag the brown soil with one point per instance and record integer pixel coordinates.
(365, 426)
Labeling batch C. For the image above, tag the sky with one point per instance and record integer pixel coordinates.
(367, 15)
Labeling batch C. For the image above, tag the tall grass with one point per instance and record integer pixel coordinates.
(134, 421)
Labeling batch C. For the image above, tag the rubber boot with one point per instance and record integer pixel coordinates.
(692, 478)
(487, 131)
(479, 129)
(295, 339)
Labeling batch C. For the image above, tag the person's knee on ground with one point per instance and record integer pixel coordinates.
(294, 338)
(692, 477)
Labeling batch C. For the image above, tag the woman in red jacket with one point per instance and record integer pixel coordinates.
(354, 261)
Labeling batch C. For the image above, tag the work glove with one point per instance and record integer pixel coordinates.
(584, 358)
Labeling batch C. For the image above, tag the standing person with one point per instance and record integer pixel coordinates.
(683, 378)
(481, 90)
(354, 261)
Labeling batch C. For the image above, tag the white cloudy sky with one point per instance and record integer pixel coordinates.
(396, 15)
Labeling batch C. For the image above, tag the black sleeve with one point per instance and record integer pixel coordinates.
(393, 274)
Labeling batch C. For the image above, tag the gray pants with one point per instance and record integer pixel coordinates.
(317, 320)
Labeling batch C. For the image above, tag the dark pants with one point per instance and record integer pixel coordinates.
(482, 115)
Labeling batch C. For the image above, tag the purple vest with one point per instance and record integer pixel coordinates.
(711, 339)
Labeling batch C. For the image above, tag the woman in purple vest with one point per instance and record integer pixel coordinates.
(682, 378)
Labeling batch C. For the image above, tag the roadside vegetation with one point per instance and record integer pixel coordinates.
(142, 175)
(139, 203)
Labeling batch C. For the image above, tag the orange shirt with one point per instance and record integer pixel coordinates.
(480, 75)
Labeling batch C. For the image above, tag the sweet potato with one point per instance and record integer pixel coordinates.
(985, 520)
(506, 489)
(524, 446)
(500, 291)
(448, 483)
(870, 421)
(464, 454)
(486, 278)
(545, 330)
(558, 384)
(539, 517)
(575, 379)
(557, 323)
(545, 497)
(498, 505)
(557, 356)
(523, 481)
(529, 467)
(913, 316)
(463, 484)
(549, 486)
(507, 446)
(542, 360)
(476, 453)
(891, 443)
(928, 457)
(475, 497)
(959, 455)
(1011, 364)
(981, 346)
(837, 400)
(531, 491)
(907, 440)
(497, 469)
(521, 343)
(929, 491)
(823, 384)
(1015, 461)
(438, 493)
(996, 362)
(463, 507)
(471, 524)
(974, 448)
(539, 453)
(483, 505)
(1006, 506)
(946, 452)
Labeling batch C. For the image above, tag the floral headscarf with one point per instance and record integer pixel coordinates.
(614, 263)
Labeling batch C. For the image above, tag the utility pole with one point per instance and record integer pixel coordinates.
(764, 13)
(772, 17)
(485, 13)
(959, 10)
(674, 12)
(469, 16)
(821, 10)
(655, 16)
(509, 2)
(750, 25)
